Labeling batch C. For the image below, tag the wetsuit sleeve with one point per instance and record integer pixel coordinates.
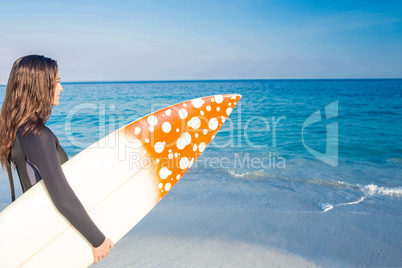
(41, 150)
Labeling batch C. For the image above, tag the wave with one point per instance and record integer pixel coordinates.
(368, 190)
(395, 160)
(327, 207)
(234, 174)
(255, 174)
(376, 190)
(361, 192)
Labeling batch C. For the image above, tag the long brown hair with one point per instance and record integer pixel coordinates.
(28, 102)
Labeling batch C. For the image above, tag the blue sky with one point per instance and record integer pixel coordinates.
(180, 40)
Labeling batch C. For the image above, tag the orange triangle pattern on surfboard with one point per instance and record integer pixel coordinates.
(173, 138)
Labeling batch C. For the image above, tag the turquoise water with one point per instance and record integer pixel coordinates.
(261, 158)
(262, 145)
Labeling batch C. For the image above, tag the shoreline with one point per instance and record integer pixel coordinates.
(190, 237)
(240, 237)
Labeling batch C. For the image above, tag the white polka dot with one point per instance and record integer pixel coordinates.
(146, 140)
(183, 141)
(233, 97)
(168, 112)
(212, 99)
(197, 103)
(184, 104)
(151, 128)
(157, 161)
(213, 123)
(168, 186)
(166, 127)
(202, 112)
(164, 173)
(196, 135)
(183, 113)
(178, 177)
(177, 130)
(195, 147)
(229, 110)
(202, 146)
(223, 119)
(230, 104)
(184, 163)
(160, 185)
(208, 108)
(137, 130)
(195, 122)
(218, 98)
(218, 109)
(152, 120)
(159, 147)
(170, 156)
(176, 154)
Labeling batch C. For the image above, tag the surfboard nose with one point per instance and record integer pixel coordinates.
(174, 137)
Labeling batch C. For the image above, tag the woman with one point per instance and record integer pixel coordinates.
(32, 90)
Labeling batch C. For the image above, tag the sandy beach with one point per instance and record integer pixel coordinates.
(197, 237)
(172, 236)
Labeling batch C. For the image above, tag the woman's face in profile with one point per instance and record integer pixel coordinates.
(57, 90)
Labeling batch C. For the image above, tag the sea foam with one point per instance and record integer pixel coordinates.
(369, 190)
(373, 189)
(255, 174)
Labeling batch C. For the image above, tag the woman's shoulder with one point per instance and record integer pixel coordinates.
(45, 134)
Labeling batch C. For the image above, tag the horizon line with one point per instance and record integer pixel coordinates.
(216, 80)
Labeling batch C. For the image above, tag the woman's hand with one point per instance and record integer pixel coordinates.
(103, 250)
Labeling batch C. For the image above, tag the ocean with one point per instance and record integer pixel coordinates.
(303, 172)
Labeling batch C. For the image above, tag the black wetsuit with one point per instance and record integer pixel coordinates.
(41, 158)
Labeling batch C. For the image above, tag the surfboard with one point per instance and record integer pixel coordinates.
(119, 179)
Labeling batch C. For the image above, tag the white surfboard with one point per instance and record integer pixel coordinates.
(119, 180)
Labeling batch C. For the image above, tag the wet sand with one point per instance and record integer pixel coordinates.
(244, 237)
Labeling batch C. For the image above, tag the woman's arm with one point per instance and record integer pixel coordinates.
(41, 151)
